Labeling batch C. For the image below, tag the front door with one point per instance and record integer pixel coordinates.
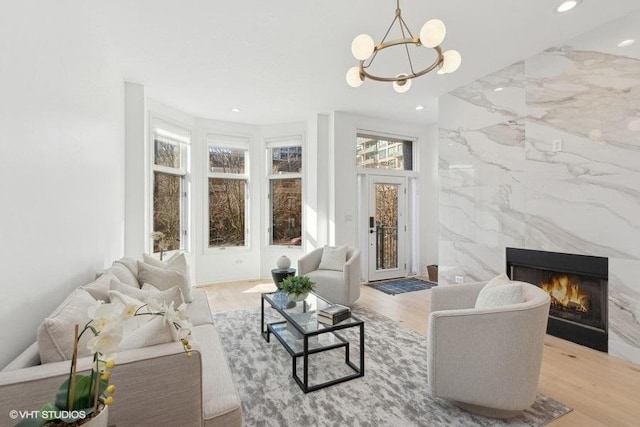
(387, 227)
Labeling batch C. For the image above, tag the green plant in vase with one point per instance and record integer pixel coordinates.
(297, 287)
(81, 397)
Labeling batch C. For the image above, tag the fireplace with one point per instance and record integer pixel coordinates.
(577, 286)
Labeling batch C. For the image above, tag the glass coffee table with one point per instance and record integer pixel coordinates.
(302, 335)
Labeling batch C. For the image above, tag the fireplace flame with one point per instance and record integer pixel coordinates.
(566, 293)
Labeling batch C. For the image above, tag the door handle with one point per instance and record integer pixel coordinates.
(372, 231)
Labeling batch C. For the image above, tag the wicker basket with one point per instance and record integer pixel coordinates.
(432, 271)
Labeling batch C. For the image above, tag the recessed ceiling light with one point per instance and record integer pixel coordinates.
(626, 43)
(498, 89)
(235, 110)
(419, 107)
(567, 5)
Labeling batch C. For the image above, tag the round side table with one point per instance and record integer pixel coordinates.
(279, 275)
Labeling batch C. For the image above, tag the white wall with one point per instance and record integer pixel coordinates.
(217, 264)
(136, 171)
(343, 201)
(62, 162)
(329, 188)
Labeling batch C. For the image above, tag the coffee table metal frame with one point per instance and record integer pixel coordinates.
(275, 328)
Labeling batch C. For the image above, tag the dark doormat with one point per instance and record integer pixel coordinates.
(400, 286)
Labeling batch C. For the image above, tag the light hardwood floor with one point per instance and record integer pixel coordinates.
(602, 390)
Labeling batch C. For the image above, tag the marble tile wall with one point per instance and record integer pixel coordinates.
(502, 184)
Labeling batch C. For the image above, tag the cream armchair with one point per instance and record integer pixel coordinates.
(486, 360)
(342, 287)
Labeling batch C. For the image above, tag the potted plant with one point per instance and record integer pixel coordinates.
(83, 399)
(297, 287)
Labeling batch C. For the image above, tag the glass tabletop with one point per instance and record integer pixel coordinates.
(304, 313)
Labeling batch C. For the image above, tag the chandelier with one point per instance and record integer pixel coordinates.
(431, 36)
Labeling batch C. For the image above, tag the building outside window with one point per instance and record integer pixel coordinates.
(375, 152)
(170, 191)
(228, 183)
(285, 194)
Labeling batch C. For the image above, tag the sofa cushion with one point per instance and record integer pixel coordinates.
(333, 258)
(198, 310)
(500, 291)
(164, 279)
(151, 292)
(28, 358)
(55, 335)
(329, 284)
(123, 274)
(99, 288)
(220, 399)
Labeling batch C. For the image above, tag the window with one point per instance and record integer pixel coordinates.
(384, 153)
(170, 193)
(285, 194)
(228, 193)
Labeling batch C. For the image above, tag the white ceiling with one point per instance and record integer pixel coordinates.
(285, 60)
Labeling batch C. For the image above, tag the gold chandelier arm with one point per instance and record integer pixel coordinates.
(404, 26)
(375, 51)
(414, 40)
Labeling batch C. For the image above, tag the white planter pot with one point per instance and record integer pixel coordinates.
(301, 297)
(100, 420)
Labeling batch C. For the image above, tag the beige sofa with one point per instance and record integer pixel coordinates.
(486, 360)
(156, 385)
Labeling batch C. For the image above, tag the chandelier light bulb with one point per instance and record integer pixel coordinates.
(354, 79)
(452, 61)
(432, 33)
(403, 85)
(567, 5)
(626, 43)
(362, 46)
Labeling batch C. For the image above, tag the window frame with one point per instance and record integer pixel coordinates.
(180, 135)
(236, 143)
(270, 145)
(385, 143)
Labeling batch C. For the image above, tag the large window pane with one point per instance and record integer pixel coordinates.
(166, 210)
(286, 160)
(226, 212)
(286, 210)
(166, 152)
(377, 153)
(227, 160)
(386, 226)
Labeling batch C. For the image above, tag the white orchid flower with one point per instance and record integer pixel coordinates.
(107, 341)
(107, 315)
(153, 305)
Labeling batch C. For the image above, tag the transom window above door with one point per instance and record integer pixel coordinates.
(376, 152)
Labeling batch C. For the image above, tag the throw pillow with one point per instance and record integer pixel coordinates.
(130, 263)
(99, 288)
(151, 292)
(500, 291)
(177, 262)
(333, 258)
(134, 322)
(164, 279)
(123, 274)
(499, 280)
(155, 331)
(55, 333)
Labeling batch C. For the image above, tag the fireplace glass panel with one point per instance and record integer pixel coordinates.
(574, 297)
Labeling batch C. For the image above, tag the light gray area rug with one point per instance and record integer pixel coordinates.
(391, 393)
